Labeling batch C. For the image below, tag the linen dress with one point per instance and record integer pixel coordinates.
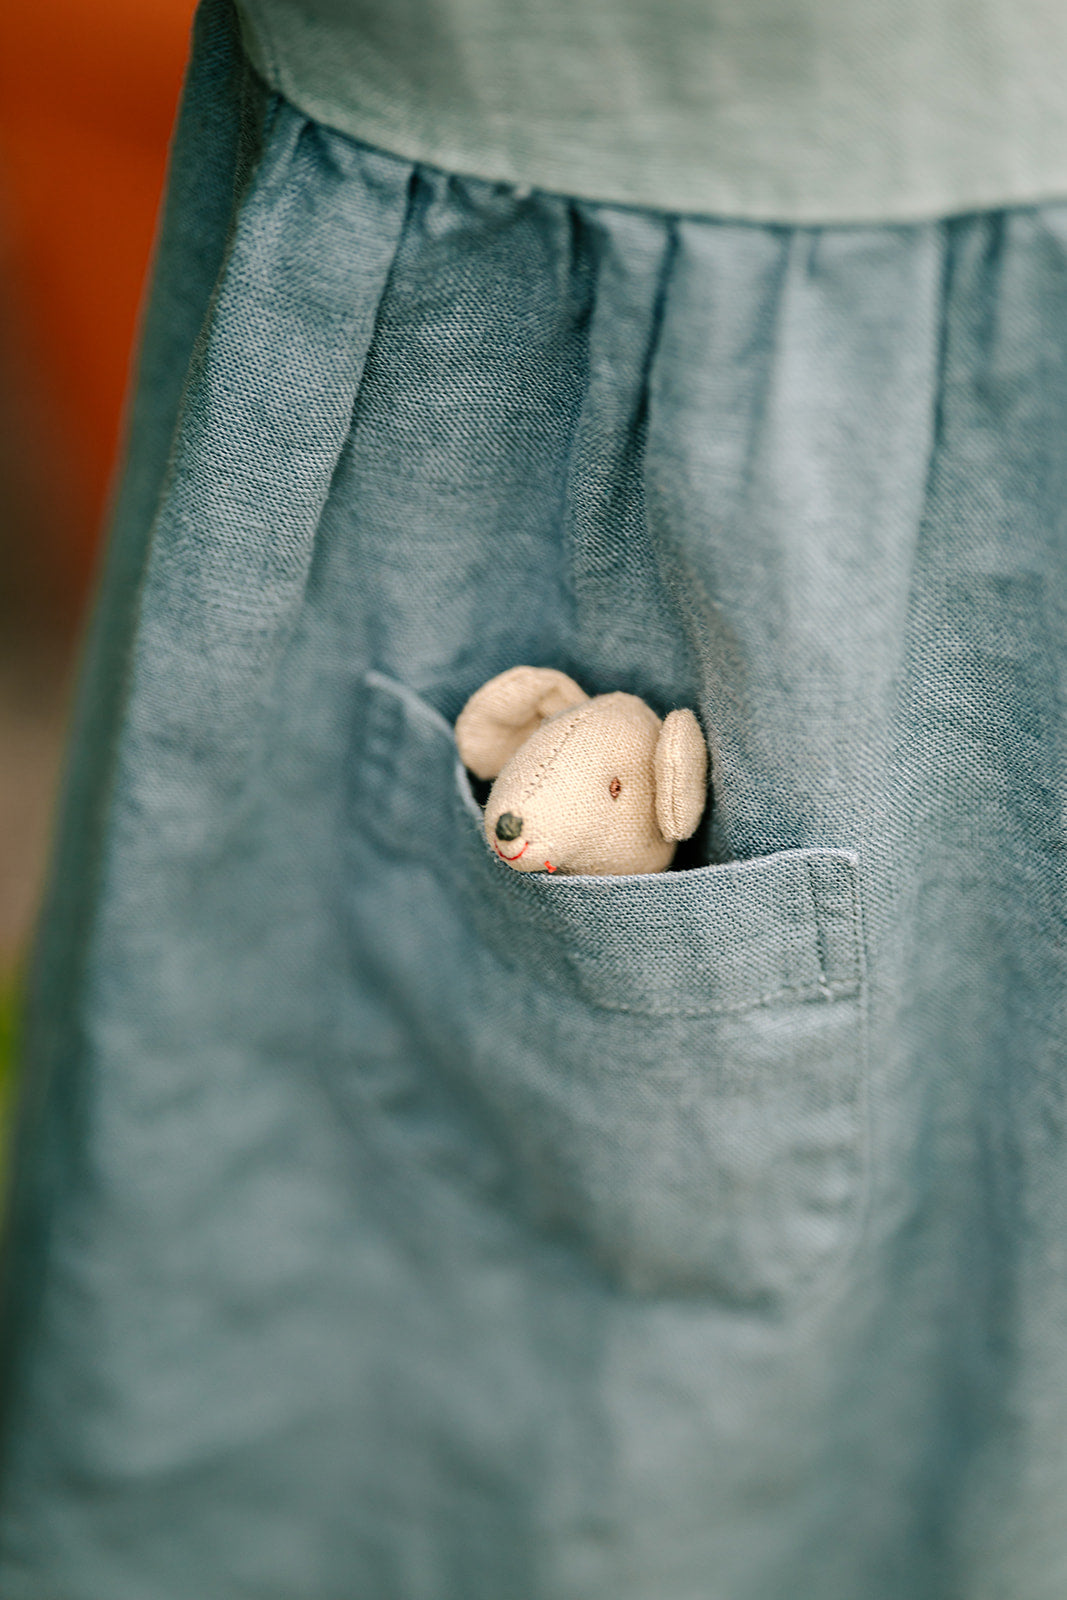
(390, 1226)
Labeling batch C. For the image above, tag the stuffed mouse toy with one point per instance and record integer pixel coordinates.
(596, 785)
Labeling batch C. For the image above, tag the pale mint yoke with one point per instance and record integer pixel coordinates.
(802, 111)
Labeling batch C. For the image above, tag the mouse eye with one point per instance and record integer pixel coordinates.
(614, 788)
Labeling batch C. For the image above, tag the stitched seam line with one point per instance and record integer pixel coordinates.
(542, 771)
(822, 943)
(820, 932)
(821, 991)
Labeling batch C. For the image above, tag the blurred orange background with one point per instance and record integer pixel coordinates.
(88, 93)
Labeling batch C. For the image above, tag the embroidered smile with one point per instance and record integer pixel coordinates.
(517, 854)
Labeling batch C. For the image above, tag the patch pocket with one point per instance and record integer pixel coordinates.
(671, 1065)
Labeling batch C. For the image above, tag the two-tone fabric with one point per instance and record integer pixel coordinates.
(392, 1224)
(798, 111)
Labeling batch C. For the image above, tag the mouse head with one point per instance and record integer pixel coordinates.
(596, 785)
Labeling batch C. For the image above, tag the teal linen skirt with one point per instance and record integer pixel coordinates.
(389, 1226)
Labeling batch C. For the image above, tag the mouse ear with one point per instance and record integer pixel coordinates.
(681, 765)
(503, 713)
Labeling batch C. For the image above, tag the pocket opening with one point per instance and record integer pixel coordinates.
(673, 1062)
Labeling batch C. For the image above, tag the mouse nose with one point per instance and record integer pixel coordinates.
(508, 826)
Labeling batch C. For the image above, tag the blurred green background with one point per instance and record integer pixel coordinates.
(7, 1044)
